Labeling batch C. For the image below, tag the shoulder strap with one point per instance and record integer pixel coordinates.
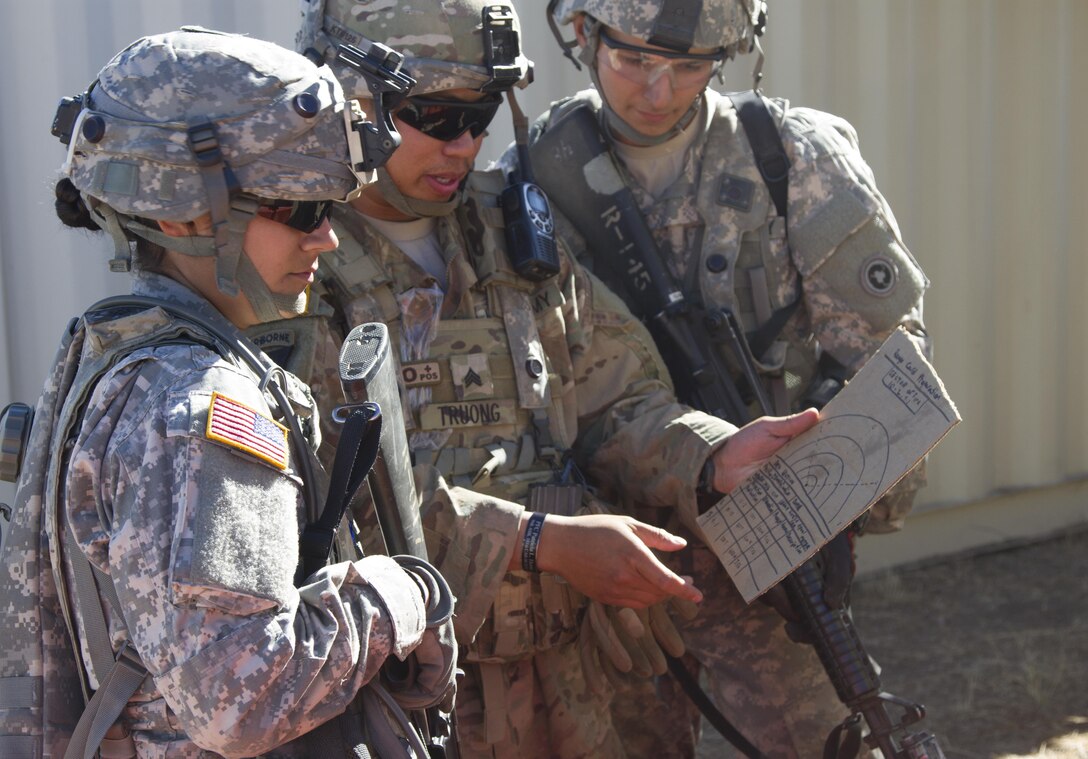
(774, 167)
(762, 133)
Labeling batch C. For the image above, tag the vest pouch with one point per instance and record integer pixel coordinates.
(533, 611)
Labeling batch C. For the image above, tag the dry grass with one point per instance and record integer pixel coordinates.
(994, 645)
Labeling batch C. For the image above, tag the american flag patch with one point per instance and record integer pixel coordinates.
(236, 425)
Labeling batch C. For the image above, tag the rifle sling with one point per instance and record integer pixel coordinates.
(355, 455)
(690, 685)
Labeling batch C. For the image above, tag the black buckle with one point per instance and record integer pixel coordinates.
(204, 143)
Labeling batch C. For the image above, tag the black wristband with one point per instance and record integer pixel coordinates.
(706, 478)
(532, 539)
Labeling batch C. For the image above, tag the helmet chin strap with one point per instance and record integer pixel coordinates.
(411, 206)
(612, 120)
(267, 305)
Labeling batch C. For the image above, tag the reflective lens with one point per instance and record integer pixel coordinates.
(303, 215)
(447, 120)
(645, 66)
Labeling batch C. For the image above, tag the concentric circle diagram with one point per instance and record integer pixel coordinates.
(846, 461)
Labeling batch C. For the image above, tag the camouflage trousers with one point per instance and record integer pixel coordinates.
(538, 707)
(773, 690)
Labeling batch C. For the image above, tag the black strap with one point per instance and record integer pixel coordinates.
(761, 339)
(774, 167)
(762, 132)
(844, 742)
(691, 688)
(355, 455)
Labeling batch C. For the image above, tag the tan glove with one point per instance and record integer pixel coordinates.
(614, 641)
(617, 640)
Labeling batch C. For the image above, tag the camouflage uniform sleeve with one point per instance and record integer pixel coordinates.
(470, 537)
(860, 281)
(201, 538)
(634, 435)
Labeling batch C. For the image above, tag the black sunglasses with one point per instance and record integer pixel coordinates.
(303, 215)
(447, 120)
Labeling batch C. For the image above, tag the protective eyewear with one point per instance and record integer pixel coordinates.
(303, 215)
(645, 66)
(446, 120)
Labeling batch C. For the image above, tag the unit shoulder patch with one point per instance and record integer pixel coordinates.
(238, 426)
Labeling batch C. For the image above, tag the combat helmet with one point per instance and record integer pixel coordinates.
(680, 25)
(199, 122)
(727, 27)
(446, 44)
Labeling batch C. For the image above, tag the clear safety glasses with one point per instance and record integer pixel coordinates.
(645, 66)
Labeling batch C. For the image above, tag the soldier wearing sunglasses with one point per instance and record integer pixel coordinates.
(771, 212)
(169, 464)
(511, 384)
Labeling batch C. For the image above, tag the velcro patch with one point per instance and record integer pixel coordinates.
(422, 374)
(441, 416)
(238, 426)
(736, 192)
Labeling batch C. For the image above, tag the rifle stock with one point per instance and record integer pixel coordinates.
(367, 375)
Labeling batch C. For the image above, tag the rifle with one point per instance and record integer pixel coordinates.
(368, 377)
(695, 343)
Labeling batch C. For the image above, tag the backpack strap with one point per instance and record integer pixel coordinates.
(762, 133)
(118, 678)
(774, 167)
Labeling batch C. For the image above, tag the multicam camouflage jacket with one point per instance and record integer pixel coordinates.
(837, 254)
(181, 487)
(502, 376)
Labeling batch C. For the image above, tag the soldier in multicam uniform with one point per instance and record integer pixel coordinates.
(504, 379)
(830, 267)
(180, 469)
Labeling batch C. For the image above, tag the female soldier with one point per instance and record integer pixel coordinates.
(176, 467)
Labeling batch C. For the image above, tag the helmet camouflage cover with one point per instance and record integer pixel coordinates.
(444, 42)
(277, 119)
(676, 24)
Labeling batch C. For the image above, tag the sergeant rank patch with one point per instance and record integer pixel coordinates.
(238, 426)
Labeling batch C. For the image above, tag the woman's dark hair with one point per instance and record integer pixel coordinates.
(70, 208)
(72, 211)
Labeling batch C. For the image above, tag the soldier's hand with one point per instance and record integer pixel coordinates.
(750, 446)
(608, 558)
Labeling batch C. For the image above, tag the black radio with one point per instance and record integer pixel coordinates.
(530, 231)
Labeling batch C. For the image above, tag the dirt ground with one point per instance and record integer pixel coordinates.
(994, 645)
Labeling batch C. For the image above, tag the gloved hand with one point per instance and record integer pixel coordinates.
(836, 563)
(427, 677)
(617, 640)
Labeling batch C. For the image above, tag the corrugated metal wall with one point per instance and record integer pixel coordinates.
(967, 112)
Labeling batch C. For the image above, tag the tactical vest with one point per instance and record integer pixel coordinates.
(491, 415)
